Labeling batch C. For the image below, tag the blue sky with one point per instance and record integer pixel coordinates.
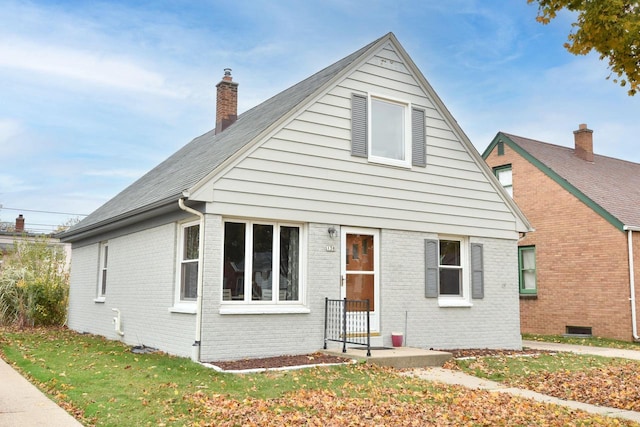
(93, 95)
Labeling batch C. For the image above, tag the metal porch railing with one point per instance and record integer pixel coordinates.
(347, 321)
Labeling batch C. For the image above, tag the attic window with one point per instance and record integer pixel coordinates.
(500, 148)
(388, 131)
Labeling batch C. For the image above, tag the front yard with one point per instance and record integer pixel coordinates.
(103, 383)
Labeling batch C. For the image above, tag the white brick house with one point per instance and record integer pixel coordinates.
(356, 182)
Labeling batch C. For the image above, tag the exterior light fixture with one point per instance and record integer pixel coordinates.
(333, 233)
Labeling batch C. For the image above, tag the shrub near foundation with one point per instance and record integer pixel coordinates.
(34, 285)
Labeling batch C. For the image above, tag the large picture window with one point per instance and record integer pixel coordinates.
(527, 265)
(261, 262)
(189, 256)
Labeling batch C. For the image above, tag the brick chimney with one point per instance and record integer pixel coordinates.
(584, 143)
(20, 224)
(226, 102)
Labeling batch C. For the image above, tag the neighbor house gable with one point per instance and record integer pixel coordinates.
(517, 144)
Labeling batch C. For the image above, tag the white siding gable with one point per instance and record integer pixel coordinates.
(305, 172)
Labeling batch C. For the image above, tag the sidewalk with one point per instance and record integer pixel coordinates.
(583, 349)
(447, 376)
(22, 404)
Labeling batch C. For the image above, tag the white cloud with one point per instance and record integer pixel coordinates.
(9, 129)
(83, 65)
(11, 184)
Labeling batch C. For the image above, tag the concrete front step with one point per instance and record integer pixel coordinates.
(395, 357)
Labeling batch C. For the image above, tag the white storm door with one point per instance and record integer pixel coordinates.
(360, 269)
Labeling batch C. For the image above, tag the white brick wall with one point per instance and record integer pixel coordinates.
(141, 280)
(492, 322)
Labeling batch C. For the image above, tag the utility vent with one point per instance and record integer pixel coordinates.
(578, 331)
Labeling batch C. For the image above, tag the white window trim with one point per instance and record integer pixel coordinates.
(102, 297)
(180, 305)
(248, 306)
(406, 163)
(463, 300)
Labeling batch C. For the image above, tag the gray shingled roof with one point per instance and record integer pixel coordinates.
(613, 184)
(204, 154)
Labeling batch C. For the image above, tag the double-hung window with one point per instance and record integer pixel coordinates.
(189, 255)
(102, 276)
(505, 176)
(388, 131)
(454, 271)
(262, 262)
(527, 267)
(450, 266)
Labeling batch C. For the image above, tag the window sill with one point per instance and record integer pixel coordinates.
(454, 303)
(263, 309)
(389, 162)
(528, 296)
(99, 300)
(184, 309)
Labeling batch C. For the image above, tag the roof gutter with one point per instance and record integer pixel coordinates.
(195, 353)
(632, 285)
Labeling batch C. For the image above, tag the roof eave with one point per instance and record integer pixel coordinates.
(118, 221)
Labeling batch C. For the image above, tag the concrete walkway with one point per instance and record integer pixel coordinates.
(22, 404)
(447, 376)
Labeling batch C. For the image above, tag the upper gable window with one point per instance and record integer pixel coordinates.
(387, 131)
(505, 176)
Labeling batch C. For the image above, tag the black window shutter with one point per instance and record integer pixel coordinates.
(359, 125)
(418, 140)
(431, 268)
(477, 271)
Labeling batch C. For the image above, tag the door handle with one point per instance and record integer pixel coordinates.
(342, 279)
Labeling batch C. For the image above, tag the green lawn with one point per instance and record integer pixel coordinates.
(591, 341)
(103, 383)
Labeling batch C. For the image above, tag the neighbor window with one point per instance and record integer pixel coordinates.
(504, 175)
(527, 265)
(261, 262)
(102, 281)
(188, 259)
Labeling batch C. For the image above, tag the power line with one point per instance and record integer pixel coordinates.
(47, 212)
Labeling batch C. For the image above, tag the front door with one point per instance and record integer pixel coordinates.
(360, 269)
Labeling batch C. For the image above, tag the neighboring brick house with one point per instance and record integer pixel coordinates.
(579, 268)
(356, 182)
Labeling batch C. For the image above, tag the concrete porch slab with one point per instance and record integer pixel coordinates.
(395, 357)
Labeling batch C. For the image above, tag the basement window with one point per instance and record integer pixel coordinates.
(578, 331)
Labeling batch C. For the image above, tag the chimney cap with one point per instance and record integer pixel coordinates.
(227, 75)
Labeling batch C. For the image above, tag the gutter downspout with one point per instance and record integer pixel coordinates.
(195, 353)
(632, 285)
